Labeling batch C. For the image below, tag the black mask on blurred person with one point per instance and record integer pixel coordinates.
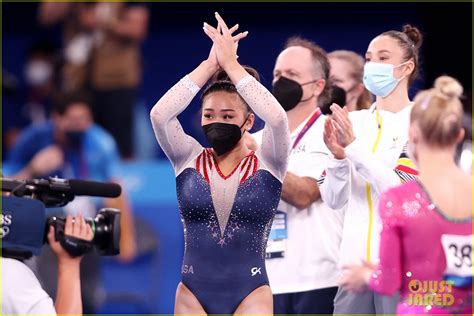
(338, 96)
(289, 92)
(223, 136)
(75, 138)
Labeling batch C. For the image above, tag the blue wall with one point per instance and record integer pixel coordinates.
(151, 188)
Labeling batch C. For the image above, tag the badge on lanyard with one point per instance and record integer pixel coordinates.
(458, 253)
(276, 245)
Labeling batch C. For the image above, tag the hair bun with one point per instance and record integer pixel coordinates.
(449, 87)
(221, 75)
(414, 34)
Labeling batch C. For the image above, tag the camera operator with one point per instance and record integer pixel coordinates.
(71, 145)
(22, 293)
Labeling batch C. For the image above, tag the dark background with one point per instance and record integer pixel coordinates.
(176, 42)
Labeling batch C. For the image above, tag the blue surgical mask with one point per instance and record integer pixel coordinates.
(379, 79)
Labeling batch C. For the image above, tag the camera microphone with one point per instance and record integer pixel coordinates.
(59, 192)
(93, 188)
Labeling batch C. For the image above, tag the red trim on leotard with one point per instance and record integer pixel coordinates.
(198, 163)
(249, 164)
(206, 176)
(232, 172)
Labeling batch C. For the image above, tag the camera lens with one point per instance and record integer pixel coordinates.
(107, 231)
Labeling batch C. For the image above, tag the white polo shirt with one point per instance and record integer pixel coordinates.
(314, 234)
(22, 292)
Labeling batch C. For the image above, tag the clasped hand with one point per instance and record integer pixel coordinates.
(338, 132)
(224, 48)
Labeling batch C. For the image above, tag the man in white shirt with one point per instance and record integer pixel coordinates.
(302, 253)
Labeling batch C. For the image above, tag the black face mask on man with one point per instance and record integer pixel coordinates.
(223, 136)
(288, 92)
(74, 139)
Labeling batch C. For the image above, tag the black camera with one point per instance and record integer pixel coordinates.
(105, 228)
(26, 225)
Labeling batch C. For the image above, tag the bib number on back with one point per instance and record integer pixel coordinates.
(458, 253)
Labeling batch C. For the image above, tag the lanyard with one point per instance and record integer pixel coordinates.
(378, 118)
(306, 127)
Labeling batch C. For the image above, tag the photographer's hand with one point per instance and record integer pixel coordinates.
(46, 161)
(75, 227)
(68, 298)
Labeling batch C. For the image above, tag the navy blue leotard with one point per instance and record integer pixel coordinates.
(226, 218)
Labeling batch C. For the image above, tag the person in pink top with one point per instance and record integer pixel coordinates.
(426, 241)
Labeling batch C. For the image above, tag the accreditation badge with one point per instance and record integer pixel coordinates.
(276, 245)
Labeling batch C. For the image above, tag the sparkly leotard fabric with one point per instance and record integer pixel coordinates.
(226, 218)
(423, 254)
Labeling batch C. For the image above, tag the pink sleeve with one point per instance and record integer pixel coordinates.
(387, 278)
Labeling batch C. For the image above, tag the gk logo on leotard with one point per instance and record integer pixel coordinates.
(256, 270)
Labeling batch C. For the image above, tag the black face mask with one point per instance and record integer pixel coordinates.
(223, 136)
(289, 92)
(338, 96)
(74, 139)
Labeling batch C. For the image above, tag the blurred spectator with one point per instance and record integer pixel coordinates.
(72, 146)
(347, 69)
(12, 121)
(40, 77)
(22, 107)
(102, 53)
(9, 83)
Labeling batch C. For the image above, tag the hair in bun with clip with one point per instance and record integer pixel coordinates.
(439, 112)
(410, 40)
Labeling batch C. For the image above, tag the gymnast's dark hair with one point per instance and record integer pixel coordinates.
(221, 82)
